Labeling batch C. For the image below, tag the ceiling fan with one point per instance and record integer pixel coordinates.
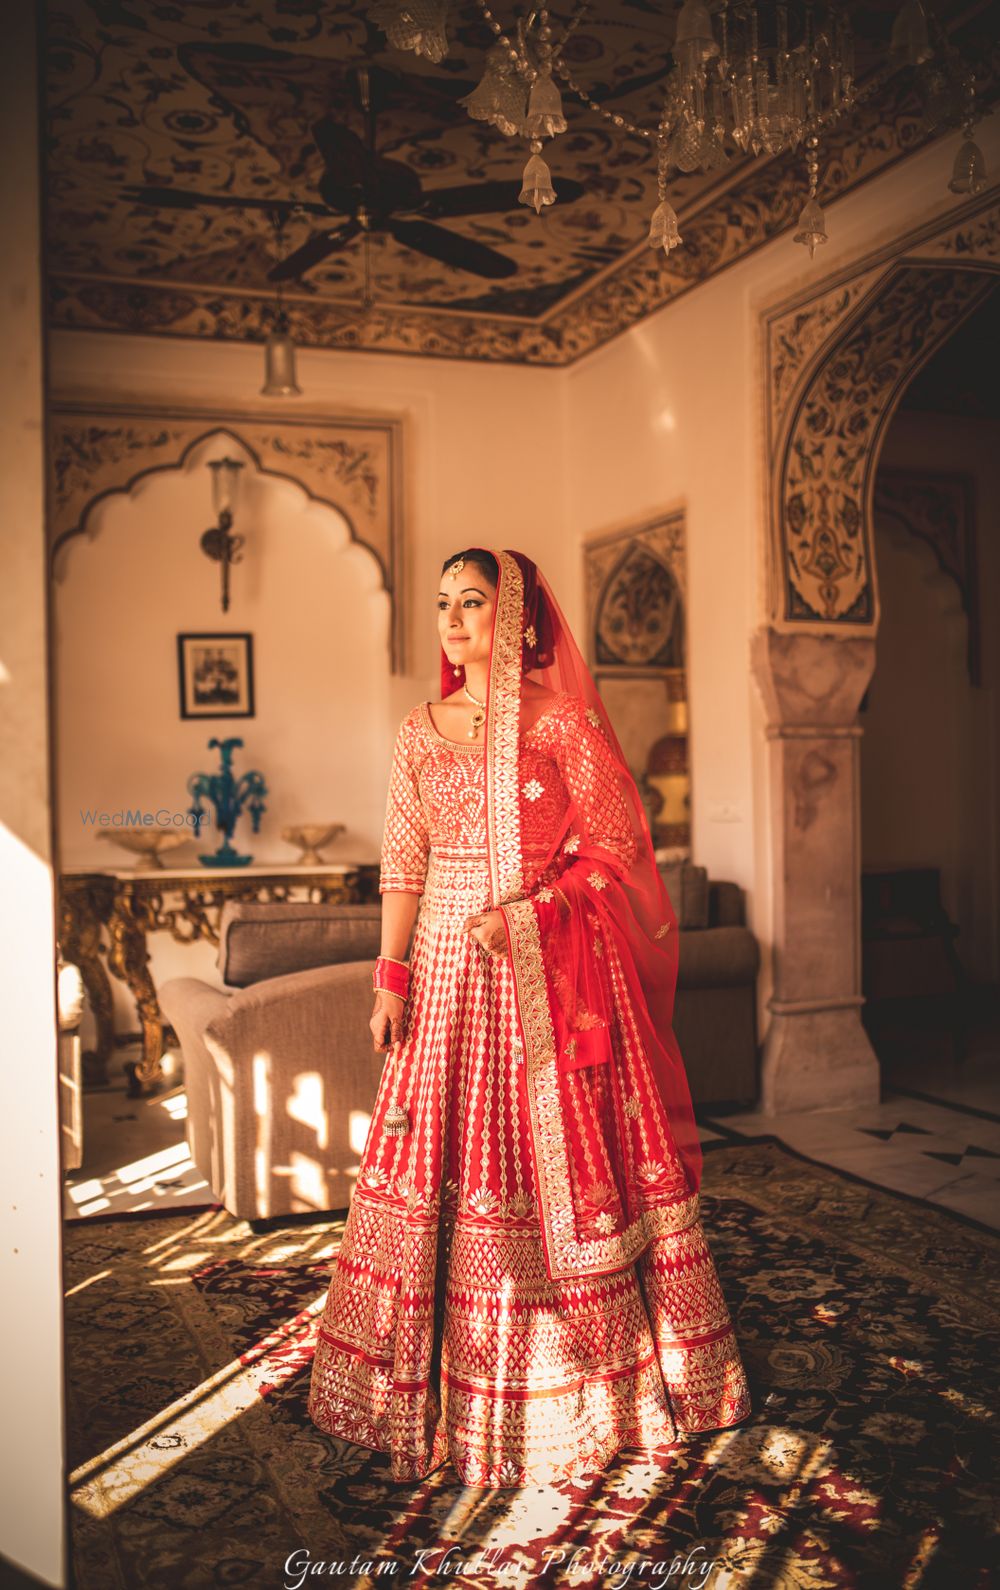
(376, 194)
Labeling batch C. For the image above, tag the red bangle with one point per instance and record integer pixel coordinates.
(391, 977)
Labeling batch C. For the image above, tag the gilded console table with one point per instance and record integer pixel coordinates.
(128, 905)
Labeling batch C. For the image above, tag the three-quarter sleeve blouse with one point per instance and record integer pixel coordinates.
(405, 841)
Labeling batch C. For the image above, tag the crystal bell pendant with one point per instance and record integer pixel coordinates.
(812, 226)
(536, 188)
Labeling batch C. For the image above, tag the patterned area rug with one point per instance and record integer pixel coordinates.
(867, 1323)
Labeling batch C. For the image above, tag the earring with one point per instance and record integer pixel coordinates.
(457, 672)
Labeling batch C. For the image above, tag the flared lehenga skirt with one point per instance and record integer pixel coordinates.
(442, 1336)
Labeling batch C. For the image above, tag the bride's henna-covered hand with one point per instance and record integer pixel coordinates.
(489, 931)
(386, 1022)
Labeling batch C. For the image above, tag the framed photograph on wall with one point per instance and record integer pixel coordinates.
(215, 675)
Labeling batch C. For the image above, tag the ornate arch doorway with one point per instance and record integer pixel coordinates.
(837, 362)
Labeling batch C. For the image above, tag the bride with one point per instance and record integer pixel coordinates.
(523, 1287)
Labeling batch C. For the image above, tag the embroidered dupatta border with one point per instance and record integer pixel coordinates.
(566, 1257)
(503, 735)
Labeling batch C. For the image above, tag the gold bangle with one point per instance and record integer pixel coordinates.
(393, 962)
(378, 989)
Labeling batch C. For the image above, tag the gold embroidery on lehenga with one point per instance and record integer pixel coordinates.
(444, 1334)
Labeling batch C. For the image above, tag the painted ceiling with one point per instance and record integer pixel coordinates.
(218, 97)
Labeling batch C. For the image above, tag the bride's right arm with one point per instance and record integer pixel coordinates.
(405, 848)
(399, 912)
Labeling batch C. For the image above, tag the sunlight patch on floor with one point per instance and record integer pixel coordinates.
(112, 1478)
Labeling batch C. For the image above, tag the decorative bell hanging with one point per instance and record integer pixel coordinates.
(545, 113)
(419, 25)
(812, 226)
(663, 231)
(395, 1122)
(499, 96)
(536, 182)
(968, 174)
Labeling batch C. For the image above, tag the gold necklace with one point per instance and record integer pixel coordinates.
(479, 716)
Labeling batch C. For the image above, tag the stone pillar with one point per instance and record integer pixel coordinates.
(816, 1053)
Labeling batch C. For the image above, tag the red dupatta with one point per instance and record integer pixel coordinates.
(593, 948)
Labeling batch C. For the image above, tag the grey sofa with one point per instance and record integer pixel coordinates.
(715, 1010)
(281, 1075)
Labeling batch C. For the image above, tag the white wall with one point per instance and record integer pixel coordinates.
(311, 599)
(671, 414)
(32, 1526)
(484, 461)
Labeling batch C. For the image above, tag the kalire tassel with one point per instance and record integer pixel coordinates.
(396, 1122)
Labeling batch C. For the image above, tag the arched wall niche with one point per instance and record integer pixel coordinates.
(836, 362)
(353, 465)
(129, 579)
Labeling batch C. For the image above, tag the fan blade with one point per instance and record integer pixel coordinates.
(355, 176)
(344, 155)
(487, 198)
(451, 249)
(184, 199)
(312, 251)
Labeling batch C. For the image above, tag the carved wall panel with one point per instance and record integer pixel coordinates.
(354, 465)
(836, 366)
(636, 597)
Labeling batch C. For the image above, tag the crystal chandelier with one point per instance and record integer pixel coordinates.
(750, 77)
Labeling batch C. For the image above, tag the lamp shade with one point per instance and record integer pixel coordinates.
(279, 363)
(225, 480)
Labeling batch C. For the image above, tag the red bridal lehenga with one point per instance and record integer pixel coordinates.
(523, 1286)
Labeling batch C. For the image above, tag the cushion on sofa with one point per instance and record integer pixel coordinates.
(262, 939)
(726, 905)
(687, 886)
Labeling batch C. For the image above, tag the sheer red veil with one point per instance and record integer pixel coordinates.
(612, 885)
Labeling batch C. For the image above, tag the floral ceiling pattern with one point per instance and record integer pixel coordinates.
(218, 97)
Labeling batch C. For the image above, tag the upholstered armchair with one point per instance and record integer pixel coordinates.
(279, 1068)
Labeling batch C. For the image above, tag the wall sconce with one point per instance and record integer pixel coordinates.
(217, 542)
